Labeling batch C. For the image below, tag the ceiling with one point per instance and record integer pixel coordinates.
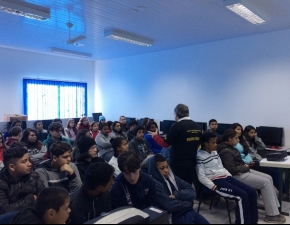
(170, 23)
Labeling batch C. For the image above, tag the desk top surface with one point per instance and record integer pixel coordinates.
(282, 164)
(287, 148)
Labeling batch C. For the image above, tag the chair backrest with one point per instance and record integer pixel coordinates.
(107, 155)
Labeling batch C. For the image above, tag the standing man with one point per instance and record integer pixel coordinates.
(184, 138)
(123, 123)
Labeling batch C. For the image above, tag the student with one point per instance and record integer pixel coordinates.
(2, 149)
(123, 123)
(117, 131)
(215, 177)
(130, 133)
(145, 121)
(93, 198)
(51, 207)
(57, 120)
(133, 187)
(102, 119)
(88, 154)
(152, 126)
(75, 148)
(19, 185)
(94, 130)
(103, 139)
(71, 131)
(110, 125)
(16, 134)
(15, 123)
(213, 125)
(174, 195)
(233, 162)
(41, 133)
(36, 149)
(139, 145)
(83, 123)
(55, 131)
(119, 145)
(59, 171)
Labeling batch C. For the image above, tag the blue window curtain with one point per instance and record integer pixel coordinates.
(46, 99)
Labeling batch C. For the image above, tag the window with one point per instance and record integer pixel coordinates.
(45, 99)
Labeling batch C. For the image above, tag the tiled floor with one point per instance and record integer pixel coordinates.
(219, 215)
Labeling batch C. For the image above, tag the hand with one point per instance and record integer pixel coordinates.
(67, 168)
(35, 197)
(153, 133)
(246, 165)
(252, 163)
(171, 196)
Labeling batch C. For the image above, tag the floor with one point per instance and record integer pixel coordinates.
(219, 215)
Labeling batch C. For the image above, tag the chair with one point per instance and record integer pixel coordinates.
(206, 192)
(107, 155)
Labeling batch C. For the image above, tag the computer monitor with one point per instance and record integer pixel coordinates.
(165, 125)
(141, 120)
(202, 125)
(222, 127)
(96, 116)
(46, 123)
(271, 136)
(128, 119)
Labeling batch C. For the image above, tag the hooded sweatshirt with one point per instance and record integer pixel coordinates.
(153, 144)
(54, 177)
(103, 143)
(85, 208)
(140, 147)
(26, 216)
(10, 140)
(232, 159)
(47, 142)
(15, 196)
(183, 192)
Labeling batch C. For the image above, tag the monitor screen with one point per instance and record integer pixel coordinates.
(202, 125)
(222, 127)
(165, 125)
(46, 123)
(96, 116)
(128, 119)
(271, 136)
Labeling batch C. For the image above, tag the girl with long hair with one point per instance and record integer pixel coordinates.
(83, 123)
(71, 131)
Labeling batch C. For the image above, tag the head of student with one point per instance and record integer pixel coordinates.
(38, 125)
(130, 166)
(16, 162)
(104, 128)
(117, 126)
(250, 132)
(162, 165)
(16, 132)
(139, 132)
(16, 123)
(29, 137)
(119, 144)
(238, 128)
(94, 126)
(122, 120)
(132, 124)
(52, 205)
(208, 141)
(102, 119)
(55, 130)
(60, 152)
(110, 124)
(81, 133)
(70, 124)
(145, 121)
(231, 137)
(181, 111)
(84, 121)
(152, 126)
(99, 178)
(88, 149)
(213, 125)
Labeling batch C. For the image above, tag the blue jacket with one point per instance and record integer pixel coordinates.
(140, 195)
(152, 144)
(246, 158)
(184, 196)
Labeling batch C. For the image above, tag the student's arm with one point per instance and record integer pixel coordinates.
(75, 181)
(186, 192)
(43, 176)
(260, 143)
(160, 141)
(149, 151)
(39, 186)
(200, 170)
(248, 159)
(38, 158)
(103, 143)
(152, 194)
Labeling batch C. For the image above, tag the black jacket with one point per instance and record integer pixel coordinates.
(83, 165)
(85, 208)
(232, 159)
(140, 147)
(26, 216)
(17, 196)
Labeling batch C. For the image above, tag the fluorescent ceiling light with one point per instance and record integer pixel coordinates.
(25, 9)
(121, 36)
(246, 10)
(69, 52)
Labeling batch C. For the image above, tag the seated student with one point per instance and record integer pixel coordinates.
(36, 149)
(152, 126)
(19, 185)
(93, 198)
(16, 133)
(88, 154)
(133, 187)
(110, 125)
(233, 162)
(15, 123)
(71, 131)
(75, 148)
(145, 121)
(132, 125)
(117, 131)
(59, 171)
(139, 145)
(103, 139)
(102, 119)
(174, 195)
(214, 176)
(57, 120)
(119, 145)
(51, 207)
(94, 130)
(83, 124)
(55, 134)
(213, 125)
(123, 123)
(41, 133)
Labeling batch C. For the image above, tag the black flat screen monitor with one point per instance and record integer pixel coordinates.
(222, 127)
(165, 125)
(46, 123)
(128, 119)
(271, 136)
(96, 116)
(202, 125)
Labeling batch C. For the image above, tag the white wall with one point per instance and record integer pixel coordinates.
(16, 65)
(245, 80)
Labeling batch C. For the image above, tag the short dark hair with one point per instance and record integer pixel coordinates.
(18, 144)
(116, 142)
(102, 125)
(98, 174)
(58, 148)
(13, 154)
(230, 133)
(50, 198)
(130, 161)
(15, 131)
(54, 126)
(248, 129)
(133, 122)
(150, 123)
(57, 120)
(181, 110)
(159, 158)
(205, 137)
(136, 129)
(212, 121)
(36, 122)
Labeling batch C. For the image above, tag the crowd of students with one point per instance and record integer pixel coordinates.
(65, 179)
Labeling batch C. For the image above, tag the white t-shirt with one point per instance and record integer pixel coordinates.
(114, 162)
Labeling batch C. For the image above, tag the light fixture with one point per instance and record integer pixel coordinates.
(25, 9)
(246, 10)
(69, 52)
(121, 36)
